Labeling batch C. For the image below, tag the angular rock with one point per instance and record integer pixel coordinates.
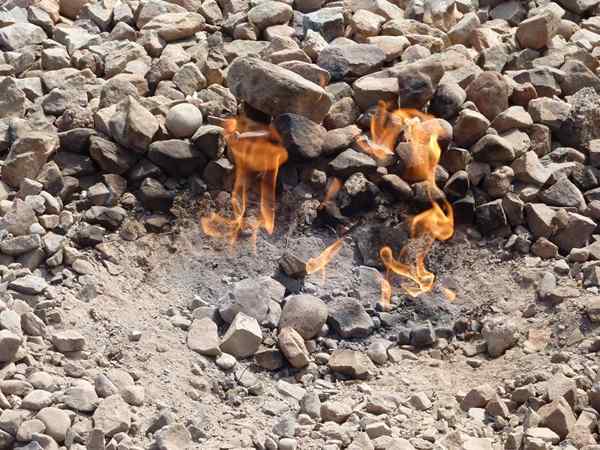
(243, 337)
(259, 83)
(301, 137)
(349, 319)
(293, 348)
(203, 337)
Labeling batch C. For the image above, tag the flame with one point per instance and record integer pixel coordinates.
(449, 293)
(316, 264)
(332, 191)
(256, 149)
(436, 223)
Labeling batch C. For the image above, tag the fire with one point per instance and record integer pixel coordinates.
(316, 264)
(436, 223)
(258, 153)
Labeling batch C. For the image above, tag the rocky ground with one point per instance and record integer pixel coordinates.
(123, 326)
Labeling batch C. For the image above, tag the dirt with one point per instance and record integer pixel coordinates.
(161, 274)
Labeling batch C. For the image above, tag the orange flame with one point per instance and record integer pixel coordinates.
(332, 191)
(256, 149)
(315, 264)
(436, 223)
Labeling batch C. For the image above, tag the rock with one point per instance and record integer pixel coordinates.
(258, 83)
(350, 363)
(493, 149)
(133, 126)
(183, 120)
(550, 112)
(154, 196)
(581, 124)
(226, 361)
(243, 337)
(252, 297)
(269, 13)
(335, 411)
(500, 335)
(9, 345)
(470, 127)
(558, 416)
(19, 35)
(461, 33)
(348, 318)
(173, 437)
(329, 22)
(420, 401)
(575, 234)
(562, 193)
(302, 138)
(351, 60)
(29, 285)
(56, 423)
(68, 341)
(351, 161)
(175, 26)
(27, 155)
(20, 245)
(293, 348)
(176, 157)
(478, 397)
(111, 157)
(490, 217)
(81, 397)
(112, 416)
(304, 313)
(13, 101)
(422, 336)
(536, 32)
(203, 337)
(488, 86)
(189, 79)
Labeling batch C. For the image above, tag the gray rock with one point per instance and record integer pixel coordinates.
(252, 297)
(133, 126)
(112, 416)
(259, 83)
(500, 334)
(243, 337)
(173, 437)
(302, 138)
(29, 285)
(350, 363)
(268, 13)
(9, 345)
(183, 120)
(293, 348)
(176, 157)
(490, 92)
(27, 156)
(175, 26)
(342, 61)
(493, 149)
(19, 35)
(349, 319)
(304, 313)
(203, 337)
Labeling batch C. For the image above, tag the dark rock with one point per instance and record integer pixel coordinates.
(154, 196)
(177, 157)
(302, 137)
(349, 319)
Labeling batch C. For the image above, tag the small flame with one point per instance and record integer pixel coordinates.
(256, 150)
(316, 264)
(332, 191)
(386, 292)
(436, 223)
(449, 293)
